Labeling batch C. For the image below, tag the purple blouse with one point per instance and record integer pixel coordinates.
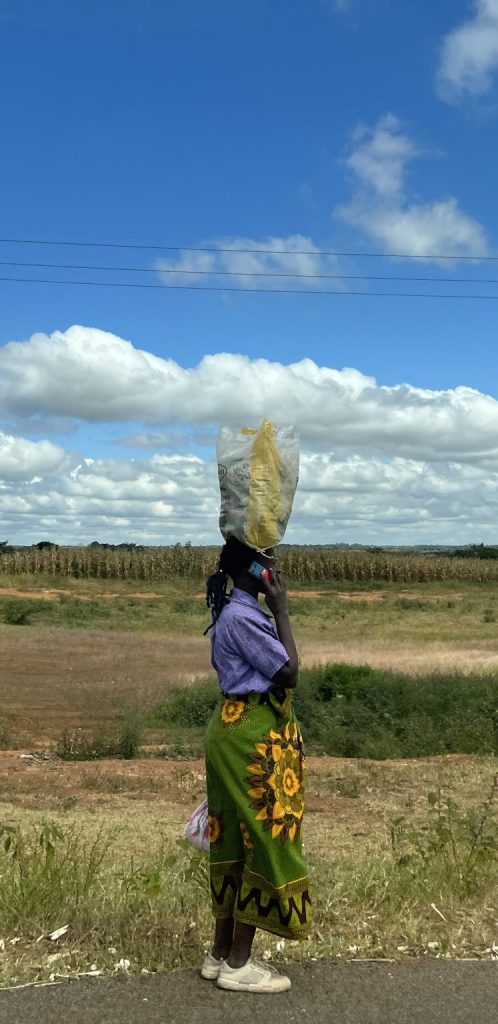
(245, 649)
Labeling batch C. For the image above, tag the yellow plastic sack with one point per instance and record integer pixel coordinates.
(258, 471)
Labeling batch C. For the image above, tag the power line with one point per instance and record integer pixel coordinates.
(268, 252)
(250, 273)
(250, 291)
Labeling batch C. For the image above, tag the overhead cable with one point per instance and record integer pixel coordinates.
(249, 291)
(269, 252)
(250, 273)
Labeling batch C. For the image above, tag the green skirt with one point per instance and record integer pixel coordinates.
(255, 787)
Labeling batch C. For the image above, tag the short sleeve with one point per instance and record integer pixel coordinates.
(257, 644)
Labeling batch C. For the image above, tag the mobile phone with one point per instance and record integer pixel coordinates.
(259, 572)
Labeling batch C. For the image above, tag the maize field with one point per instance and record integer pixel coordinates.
(300, 564)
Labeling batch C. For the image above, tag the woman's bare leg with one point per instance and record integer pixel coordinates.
(223, 938)
(243, 937)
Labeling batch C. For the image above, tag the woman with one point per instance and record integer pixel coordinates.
(254, 768)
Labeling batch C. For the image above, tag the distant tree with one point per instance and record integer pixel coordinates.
(4, 545)
(46, 545)
(474, 551)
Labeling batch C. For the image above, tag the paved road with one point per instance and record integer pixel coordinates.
(427, 992)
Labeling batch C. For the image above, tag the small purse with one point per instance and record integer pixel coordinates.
(197, 827)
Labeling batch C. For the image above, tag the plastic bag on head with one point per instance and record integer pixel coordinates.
(258, 471)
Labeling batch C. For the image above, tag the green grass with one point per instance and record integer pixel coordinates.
(78, 746)
(150, 905)
(357, 711)
(120, 613)
(421, 613)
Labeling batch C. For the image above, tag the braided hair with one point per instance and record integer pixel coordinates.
(235, 559)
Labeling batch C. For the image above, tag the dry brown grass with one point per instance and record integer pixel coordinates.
(58, 678)
(350, 806)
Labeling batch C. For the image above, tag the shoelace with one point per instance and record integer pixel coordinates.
(264, 966)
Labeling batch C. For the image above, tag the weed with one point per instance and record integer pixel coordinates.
(413, 604)
(129, 740)
(489, 615)
(190, 707)
(179, 751)
(16, 611)
(109, 782)
(69, 803)
(6, 738)
(464, 843)
(80, 747)
(149, 901)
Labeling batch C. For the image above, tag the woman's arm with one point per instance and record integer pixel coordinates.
(276, 599)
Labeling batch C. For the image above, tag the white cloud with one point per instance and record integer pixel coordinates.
(379, 157)
(168, 439)
(381, 208)
(173, 498)
(21, 459)
(283, 257)
(469, 54)
(96, 376)
(395, 464)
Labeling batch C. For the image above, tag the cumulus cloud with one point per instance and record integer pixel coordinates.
(163, 499)
(168, 439)
(21, 459)
(279, 263)
(378, 159)
(397, 464)
(469, 54)
(169, 498)
(96, 376)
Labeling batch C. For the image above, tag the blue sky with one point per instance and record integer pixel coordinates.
(315, 127)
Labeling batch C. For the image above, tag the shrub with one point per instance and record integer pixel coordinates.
(79, 747)
(357, 711)
(191, 707)
(16, 612)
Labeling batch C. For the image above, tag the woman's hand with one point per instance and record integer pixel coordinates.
(276, 593)
(276, 599)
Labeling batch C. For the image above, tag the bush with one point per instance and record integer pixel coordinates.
(357, 711)
(78, 747)
(6, 739)
(129, 740)
(16, 612)
(190, 707)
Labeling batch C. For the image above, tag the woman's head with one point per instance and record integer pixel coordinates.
(235, 559)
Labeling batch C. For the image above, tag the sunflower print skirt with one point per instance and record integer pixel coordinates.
(255, 776)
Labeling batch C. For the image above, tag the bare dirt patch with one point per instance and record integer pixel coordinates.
(40, 595)
(380, 595)
(292, 593)
(46, 594)
(344, 793)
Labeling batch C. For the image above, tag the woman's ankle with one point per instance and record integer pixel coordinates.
(220, 953)
(236, 962)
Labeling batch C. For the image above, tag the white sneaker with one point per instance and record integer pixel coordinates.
(252, 977)
(211, 967)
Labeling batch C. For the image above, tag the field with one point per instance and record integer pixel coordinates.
(402, 851)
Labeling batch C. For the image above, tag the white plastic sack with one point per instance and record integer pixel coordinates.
(258, 471)
(197, 827)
